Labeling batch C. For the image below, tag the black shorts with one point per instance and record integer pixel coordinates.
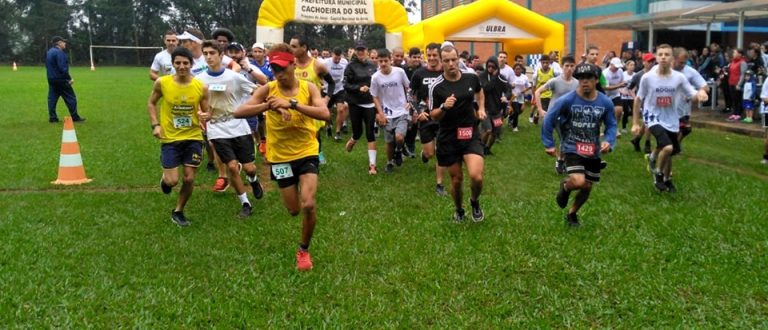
(685, 121)
(665, 138)
(590, 167)
(239, 148)
(616, 101)
(545, 103)
(299, 167)
(337, 98)
(187, 153)
(452, 152)
(428, 131)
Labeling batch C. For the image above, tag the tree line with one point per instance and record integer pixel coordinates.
(27, 26)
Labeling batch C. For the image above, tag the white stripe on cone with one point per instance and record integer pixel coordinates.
(70, 160)
(68, 136)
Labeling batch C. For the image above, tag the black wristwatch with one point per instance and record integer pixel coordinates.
(250, 70)
(294, 104)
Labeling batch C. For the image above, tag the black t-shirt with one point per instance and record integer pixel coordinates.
(458, 123)
(421, 80)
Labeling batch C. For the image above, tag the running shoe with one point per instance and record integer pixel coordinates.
(221, 185)
(562, 195)
(164, 187)
(572, 220)
(530, 120)
(670, 186)
(258, 190)
(398, 157)
(245, 211)
(337, 137)
(603, 164)
(322, 159)
(210, 167)
(658, 182)
(389, 168)
(350, 144)
(535, 120)
(764, 161)
(747, 120)
(407, 152)
(372, 169)
(411, 151)
(560, 166)
(179, 219)
(263, 147)
(303, 260)
(477, 212)
(458, 216)
(636, 143)
(424, 158)
(440, 190)
(515, 129)
(618, 134)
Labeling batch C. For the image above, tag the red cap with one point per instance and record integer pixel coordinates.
(281, 59)
(647, 57)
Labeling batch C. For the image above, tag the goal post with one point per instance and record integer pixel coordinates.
(90, 50)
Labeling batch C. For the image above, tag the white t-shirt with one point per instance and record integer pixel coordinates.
(763, 96)
(659, 95)
(199, 66)
(507, 73)
(626, 94)
(337, 73)
(613, 79)
(226, 91)
(556, 68)
(519, 84)
(390, 89)
(163, 64)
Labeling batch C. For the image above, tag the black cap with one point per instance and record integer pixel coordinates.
(237, 46)
(57, 39)
(360, 45)
(584, 70)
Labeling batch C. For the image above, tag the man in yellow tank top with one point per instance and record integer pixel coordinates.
(311, 70)
(291, 106)
(183, 102)
(540, 77)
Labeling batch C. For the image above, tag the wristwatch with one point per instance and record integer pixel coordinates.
(250, 70)
(155, 125)
(294, 104)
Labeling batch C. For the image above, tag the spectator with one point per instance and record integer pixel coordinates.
(736, 70)
(59, 81)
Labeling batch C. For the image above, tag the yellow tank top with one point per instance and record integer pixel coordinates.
(290, 140)
(309, 74)
(542, 78)
(178, 110)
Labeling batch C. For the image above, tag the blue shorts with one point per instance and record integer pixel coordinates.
(747, 105)
(187, 153)
(253, 122)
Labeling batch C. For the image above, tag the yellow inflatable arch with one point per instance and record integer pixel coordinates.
(521, 31)
(274, 14)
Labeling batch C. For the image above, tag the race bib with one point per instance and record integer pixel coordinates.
(182, 121)
(217, 87)
(664, 101)
(585, 149)
(282, 171)
(464, 133)
(498, 122)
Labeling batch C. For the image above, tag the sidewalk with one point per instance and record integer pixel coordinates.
(714, 119)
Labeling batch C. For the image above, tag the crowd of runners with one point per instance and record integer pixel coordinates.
(215, 96)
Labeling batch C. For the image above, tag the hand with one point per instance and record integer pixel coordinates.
(381, 119)
(702, 96)
(635, 130)
(504, 99)
(364, 89)
(157, 132)
(550, 151)
(449, 102)
(481, 114)
(423, 117)
(276, 103)
(245, 65)
(285, 113)
(204, 116)
(605, 147)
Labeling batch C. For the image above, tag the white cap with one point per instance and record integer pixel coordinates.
(617, 62)
(446, 43)
(258, 45)
(188, 36)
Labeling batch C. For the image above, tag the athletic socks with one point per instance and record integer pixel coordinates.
(372, 157)
(243, 199)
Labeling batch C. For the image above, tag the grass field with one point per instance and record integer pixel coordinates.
(105, 255)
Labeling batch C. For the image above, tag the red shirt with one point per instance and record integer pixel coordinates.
(734, 71)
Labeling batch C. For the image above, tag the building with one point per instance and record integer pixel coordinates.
(593, 12)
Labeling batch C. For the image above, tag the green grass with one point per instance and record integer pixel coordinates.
(386, 255)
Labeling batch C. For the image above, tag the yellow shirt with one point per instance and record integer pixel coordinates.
(541, 79)
(178, 110)
(290, 140)
(309, 74)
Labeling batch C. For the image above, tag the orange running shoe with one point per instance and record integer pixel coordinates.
(221, 185)
(263, 147)
(303, 260)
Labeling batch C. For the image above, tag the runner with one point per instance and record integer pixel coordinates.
(230, 137)
(451, 99)
(658, 94)
(336, 65)
(413, 63)
(520, 86)
(649, 60)
(495, 88)
(627, 95)
(559, 86)
(292, 148)
(389, 88)
(184, 100)
(579, 115)
(614, 82)
(162, 64)
(541, 77)
(694, 78)
(362, 111)
(428, 128)
(764, 114)
(260, 61)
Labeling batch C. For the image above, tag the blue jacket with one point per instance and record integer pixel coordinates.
(57, 64)
(579, 122)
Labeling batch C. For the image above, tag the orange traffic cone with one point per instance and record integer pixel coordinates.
(71, 170)
(14, 66)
